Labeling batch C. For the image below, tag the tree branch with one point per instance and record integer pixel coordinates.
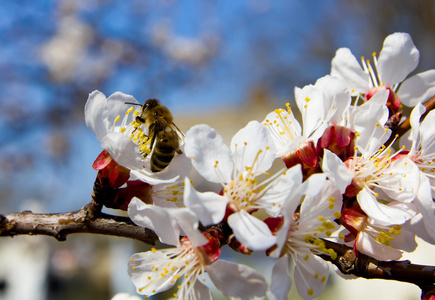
(89, 219)
(351, 263)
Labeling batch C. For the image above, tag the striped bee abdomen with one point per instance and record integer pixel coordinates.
(164, 150)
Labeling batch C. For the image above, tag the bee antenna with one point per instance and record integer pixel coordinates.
(132, 103)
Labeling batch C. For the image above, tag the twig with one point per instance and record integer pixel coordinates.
(86, 220)
(351, 263)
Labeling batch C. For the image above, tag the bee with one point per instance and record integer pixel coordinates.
(164, 137)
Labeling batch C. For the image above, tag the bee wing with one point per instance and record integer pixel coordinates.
(177, 130)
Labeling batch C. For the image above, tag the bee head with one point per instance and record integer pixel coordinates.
(151, 103)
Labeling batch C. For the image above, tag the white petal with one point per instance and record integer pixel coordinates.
(206, 147)
(383, 214)
(371, 135)
(310, 103)
(253, 147)
(369, 246)
(416, 113)
(405, 240)
(311, 274)
(96, 114)
(313, 185)
(123, 150)
(345, 66)
(336, 170)
(427, 134)
(418, 226)
(337, 95)
(180, 166)
(398, 58)
(155, 218)
(282, 189)
(141, 269)
(188, 223)
(250, 231)
(316, 203)
(403, 181)
(284, 129)
(237, 281)
(125, 296)
(418, 88)
(426, 205)
(281, 283)
(118, 103)
(282, 234)
(208, 206)
(198, 292)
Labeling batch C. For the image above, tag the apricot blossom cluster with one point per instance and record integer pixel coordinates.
(343, 179)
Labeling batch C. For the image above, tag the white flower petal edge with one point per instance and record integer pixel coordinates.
(168, 223)
(311, 274)
(179, 167)
(418, 88)
(369, 246)
(311, 105)
(142, 267)
(250, 231)
(426, 206)
(122, 149)
(414, 135)
(96, 114)
(345, 66)
(369, 124)
(285, 130)
(398, 58)
(338, 97)
(253, 145)
(200, 292)
(208, 206)
(205, 147)
(237, 281)
(281, 282)
(383, 214)
(336, 170)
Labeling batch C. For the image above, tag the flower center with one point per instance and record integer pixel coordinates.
(243, 191)
(136, 131)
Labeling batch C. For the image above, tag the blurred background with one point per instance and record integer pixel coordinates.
(223, 63)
